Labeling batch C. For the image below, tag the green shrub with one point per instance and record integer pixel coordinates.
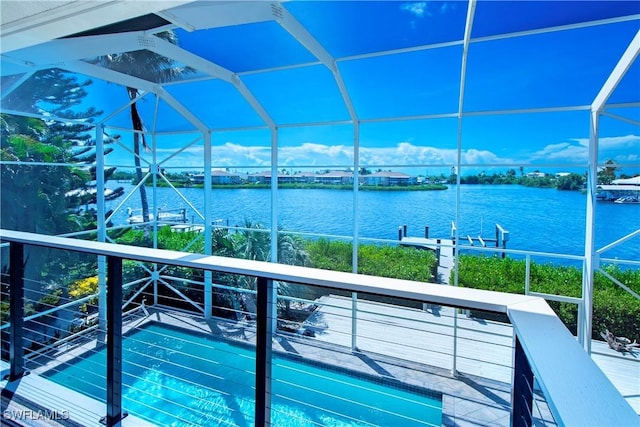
(396, 261)
(377, 260)
(330, 255)
(613, 307)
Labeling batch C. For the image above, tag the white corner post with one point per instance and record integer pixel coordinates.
(585, 313)
(162, 93)
(356, 188)
(272, 286)
(591, 256)
(154, 170)
(356, 232)
(102, 233)
(208, 226)
(471, 10)
(274, 195)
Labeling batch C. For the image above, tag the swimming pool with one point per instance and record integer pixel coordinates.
(175, 377)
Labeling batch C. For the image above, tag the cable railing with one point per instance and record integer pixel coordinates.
(255, 355)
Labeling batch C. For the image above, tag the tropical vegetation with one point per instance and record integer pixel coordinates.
(47, 179)
(613, 307)
(398, 262)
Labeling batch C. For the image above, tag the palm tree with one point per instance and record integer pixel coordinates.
(252, 242)
(291, 250)
(152, 67)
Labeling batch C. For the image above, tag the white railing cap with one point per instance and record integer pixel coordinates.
(420, 291)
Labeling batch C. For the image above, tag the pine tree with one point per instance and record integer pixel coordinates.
(40, 191)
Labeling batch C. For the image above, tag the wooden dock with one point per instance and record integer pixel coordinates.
(444, 252)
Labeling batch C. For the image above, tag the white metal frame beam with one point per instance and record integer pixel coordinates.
(463, 72)
(68, 54)
(163, 47)
(592, 257)
(621, 68)
(61, 50)
(204, 15)
(32, 27)
(112, 76)
(7, 90)
(182, 110)
(300, 33)
(109, 75)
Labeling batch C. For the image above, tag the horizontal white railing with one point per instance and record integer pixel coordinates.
(577, 392)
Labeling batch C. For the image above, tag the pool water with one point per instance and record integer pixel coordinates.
(174, 377)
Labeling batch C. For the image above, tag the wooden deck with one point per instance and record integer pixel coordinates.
(623, 370)
(484, 348)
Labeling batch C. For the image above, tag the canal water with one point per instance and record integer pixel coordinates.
(538, 219)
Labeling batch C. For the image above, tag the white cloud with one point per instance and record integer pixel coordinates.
(562, 151)
(622, 149)
(418, 9)
(578, 149)
(315, 154)
(311, 154)
(613, 142)
(473, 156)
(406, 153)
(239, 155)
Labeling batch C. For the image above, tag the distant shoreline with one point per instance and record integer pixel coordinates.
(427, 187)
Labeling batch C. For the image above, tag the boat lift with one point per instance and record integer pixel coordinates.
(168, 216)
(501, 239)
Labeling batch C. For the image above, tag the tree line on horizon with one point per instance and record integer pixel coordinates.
(570, 181)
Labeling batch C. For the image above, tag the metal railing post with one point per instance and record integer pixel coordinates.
(580, 323)
(527, 274)
(16, 311)
(454, 350)
(522, 399)
(266, 317)
(114, 343)
(354, 321)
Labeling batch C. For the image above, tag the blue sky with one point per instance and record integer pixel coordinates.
(559, 69)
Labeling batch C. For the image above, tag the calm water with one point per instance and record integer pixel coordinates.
(173, 377)
(543, 220)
